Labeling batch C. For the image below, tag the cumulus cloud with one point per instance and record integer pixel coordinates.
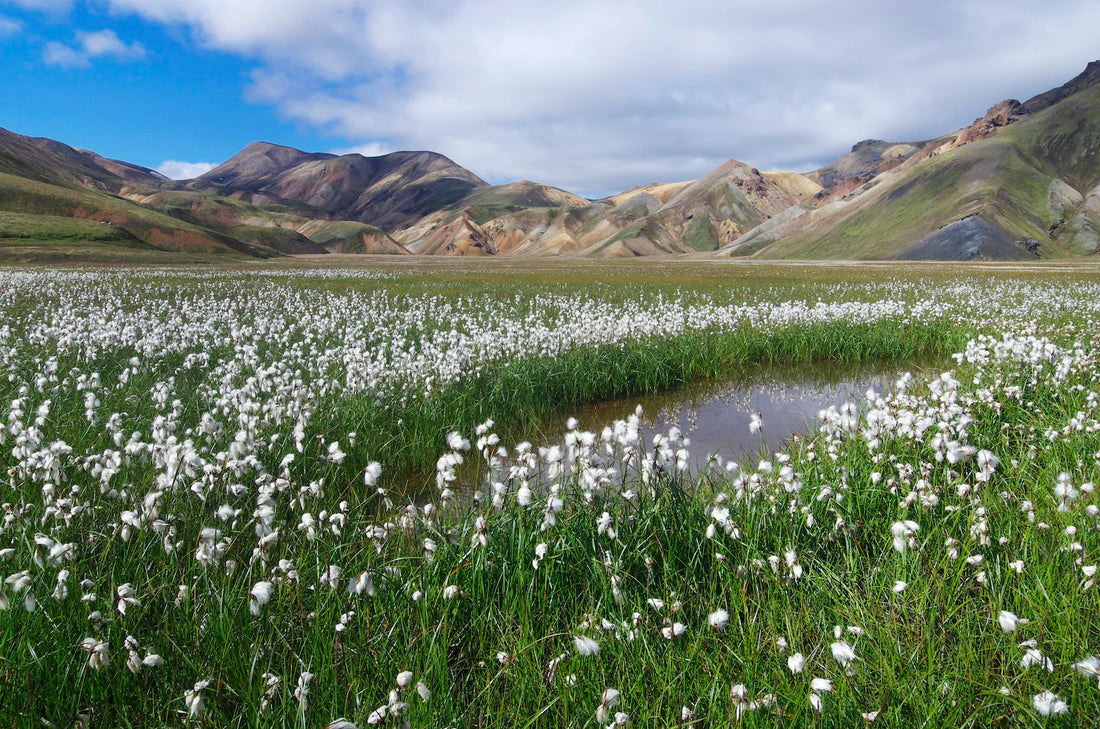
(372, 149)
(176, 170)
(595, 97)
(89, 46)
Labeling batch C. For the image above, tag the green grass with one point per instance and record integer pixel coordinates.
(37, 211)
(701, 235)
(500, 652)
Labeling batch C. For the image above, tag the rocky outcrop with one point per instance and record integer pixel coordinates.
(868, 159)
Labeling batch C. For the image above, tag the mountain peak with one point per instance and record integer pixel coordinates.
(1086, 79)
(257, 161)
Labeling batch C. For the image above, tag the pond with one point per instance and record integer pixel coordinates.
(716, 416)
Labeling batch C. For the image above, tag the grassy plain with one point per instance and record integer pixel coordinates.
(195, 530)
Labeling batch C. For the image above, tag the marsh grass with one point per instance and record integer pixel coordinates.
(500, 651)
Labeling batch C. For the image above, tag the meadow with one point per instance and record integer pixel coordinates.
(292, 494)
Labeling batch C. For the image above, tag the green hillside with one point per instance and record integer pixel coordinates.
(1023, 182)
(45, 215)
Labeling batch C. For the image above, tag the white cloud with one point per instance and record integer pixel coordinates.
(598, 96)
(59, 54)
(9, 26)
(89, 46)
(371, 149)
(177, 170)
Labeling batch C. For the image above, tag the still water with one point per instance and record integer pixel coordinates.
(715, 416)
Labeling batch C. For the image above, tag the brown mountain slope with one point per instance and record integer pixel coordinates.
(387, 191)
(45, 160)
(526, 219)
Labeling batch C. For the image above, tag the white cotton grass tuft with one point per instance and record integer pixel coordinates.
(1089, 666)
(608, 701)
(341, 723)
(904, 534)
(371, 474)
(843, 653)
(99, 656)
(193, 699)
(585, 646)
(1009, 621)
(1049, 703)
(260, 595)
(796, 663)
(718, 619)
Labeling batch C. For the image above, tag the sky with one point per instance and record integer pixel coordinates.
(594, 97)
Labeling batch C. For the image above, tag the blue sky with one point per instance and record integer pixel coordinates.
(594, 97)
(168, 100)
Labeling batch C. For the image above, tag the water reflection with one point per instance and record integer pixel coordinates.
(716, 415)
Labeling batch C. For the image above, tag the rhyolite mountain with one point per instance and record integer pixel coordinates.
(1021, 182)
(389, 191)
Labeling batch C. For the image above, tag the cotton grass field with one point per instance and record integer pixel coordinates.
(321, 497)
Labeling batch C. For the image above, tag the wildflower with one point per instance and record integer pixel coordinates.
(540, 554)
(904, 533)
(456, 442)
(361, 585)
(1049, 704)
(331, 577)
(341, 723)
(98, 657)
(608, 701)
(450, 591)
(1065, 492)
(193, 699)
(796, 663)
(718, 619)
(900, 586)
(755, 423)
(674, 630)
(843, 653)
(1034, 657)
(1009, 621)
(585, 645)
(738, 695)
(301, 692)
(1088, 667)
(481, 537)
(603, 525)
(371, 474)
(260, 595)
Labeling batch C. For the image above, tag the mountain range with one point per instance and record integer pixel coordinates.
(1022, 182)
